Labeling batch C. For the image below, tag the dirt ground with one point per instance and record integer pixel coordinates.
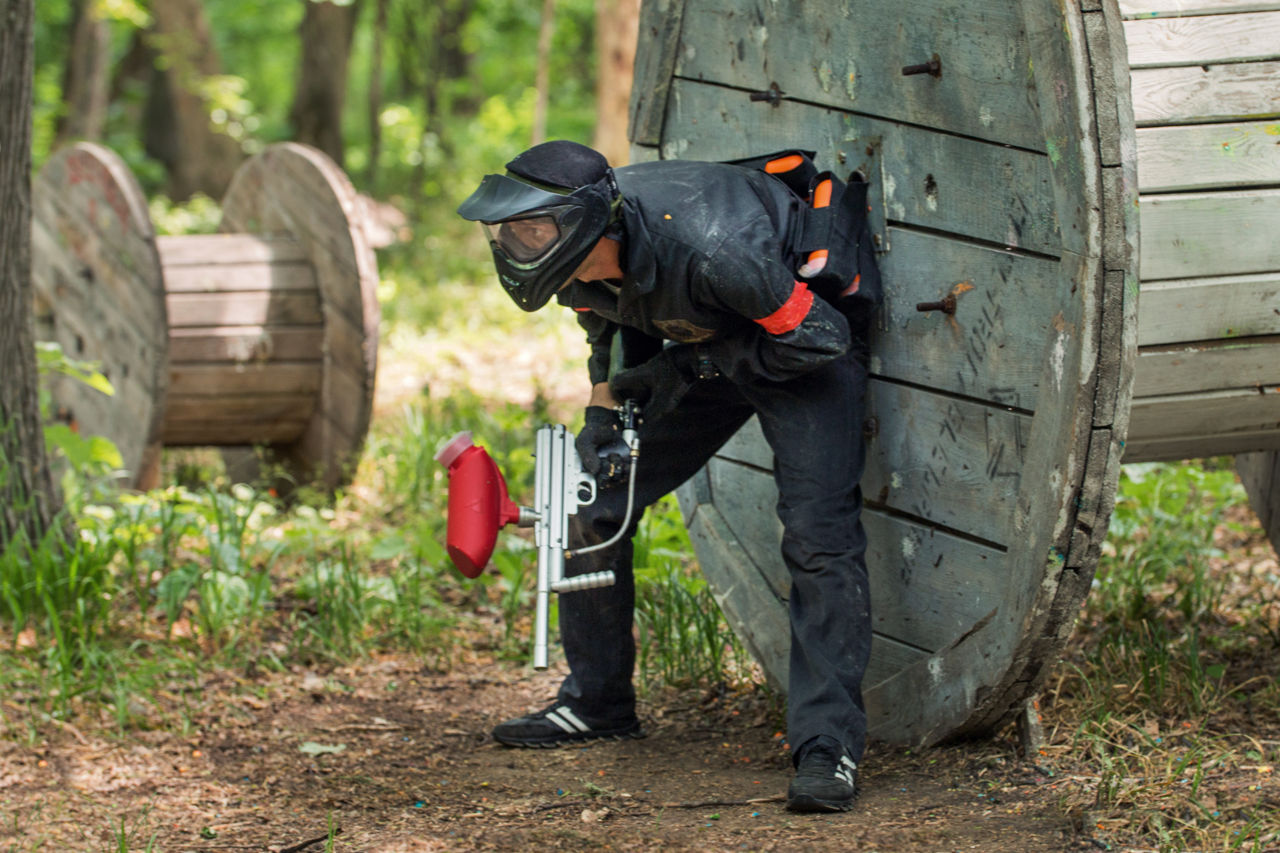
(388, 756)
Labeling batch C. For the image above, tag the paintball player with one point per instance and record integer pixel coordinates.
(698, 269)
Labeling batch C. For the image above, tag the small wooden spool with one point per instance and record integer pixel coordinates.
(269, 328)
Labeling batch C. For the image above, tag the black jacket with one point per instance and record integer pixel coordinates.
(707, 259)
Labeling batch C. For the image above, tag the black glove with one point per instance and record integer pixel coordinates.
(601, 428)
(658, 385)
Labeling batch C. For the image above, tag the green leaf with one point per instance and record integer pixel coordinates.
(104, 450)
(313, 748)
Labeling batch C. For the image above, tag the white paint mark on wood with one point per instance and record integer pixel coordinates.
(935, 670)
(1058, 358)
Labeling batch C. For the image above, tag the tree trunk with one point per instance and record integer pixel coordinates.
(542, 81)
(28, 502)
(375, 93)
(316, 114)
(85, 80)
(178, 131)
(617, 26)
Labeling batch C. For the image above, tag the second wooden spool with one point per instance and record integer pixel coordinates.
(265, 334)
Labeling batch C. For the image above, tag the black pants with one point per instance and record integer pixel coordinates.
(814, 426)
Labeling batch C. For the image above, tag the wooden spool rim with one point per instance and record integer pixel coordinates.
(119, 201)
(297, 191)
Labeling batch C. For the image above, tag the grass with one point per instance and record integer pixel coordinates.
(1171, 688)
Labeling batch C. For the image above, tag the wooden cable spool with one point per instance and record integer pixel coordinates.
(1206, 96)
(999, 141)
(264, 334)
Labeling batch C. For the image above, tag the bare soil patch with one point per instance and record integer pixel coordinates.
(401, 760)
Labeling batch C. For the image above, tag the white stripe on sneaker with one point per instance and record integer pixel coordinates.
(568, 714)
(555, 718)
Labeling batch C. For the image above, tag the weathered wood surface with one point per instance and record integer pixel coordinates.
(1209, 156)
(261, 335)
(249, 308)
(964, 187)
(1211, 39)
(995, 433)
(1188, 8)
(1209, 309)
(1212, 93)
(295, 190)
(1210, 324)
(1208, 366)
(99, 294)
(234, 344)
(1182, 426)
(1260, 473)
(842, 55)
(1193, 235)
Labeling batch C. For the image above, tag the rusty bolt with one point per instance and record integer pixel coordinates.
(933, 68)
(947, 305)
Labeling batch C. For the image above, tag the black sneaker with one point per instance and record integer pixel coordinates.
(557, 724)
(826, 780)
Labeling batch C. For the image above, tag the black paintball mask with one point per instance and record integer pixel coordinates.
(540, 227)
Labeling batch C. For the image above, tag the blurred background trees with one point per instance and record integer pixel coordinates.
(416, 100)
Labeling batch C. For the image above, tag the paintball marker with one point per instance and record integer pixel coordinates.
(479, 507)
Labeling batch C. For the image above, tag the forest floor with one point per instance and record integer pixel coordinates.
(392, 753)
(389, 756)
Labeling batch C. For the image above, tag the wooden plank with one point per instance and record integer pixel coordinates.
(1207, 366)
(927, 587)
(1260, 474)
(1213, 93)
(1206, 40)
(233, 407)
(1179, 8)
(246, 343)
(1208, 156)
(823, 54)
(1201, 445)
(221, 278)
(747, 500)
(1195, 235)
(888, 657)
(288, 308)
(215, 380)
(748, 446)
(1210, 418)
(199, 434)
(992, 347)
(178, 250)
(1209, 308)
(659, 32)
(941, 459)
(923, 178)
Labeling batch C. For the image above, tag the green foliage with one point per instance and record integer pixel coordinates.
(683, 637)
(1155, 590)
(85, 461)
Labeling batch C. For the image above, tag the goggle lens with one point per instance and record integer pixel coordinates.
(525, 240)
